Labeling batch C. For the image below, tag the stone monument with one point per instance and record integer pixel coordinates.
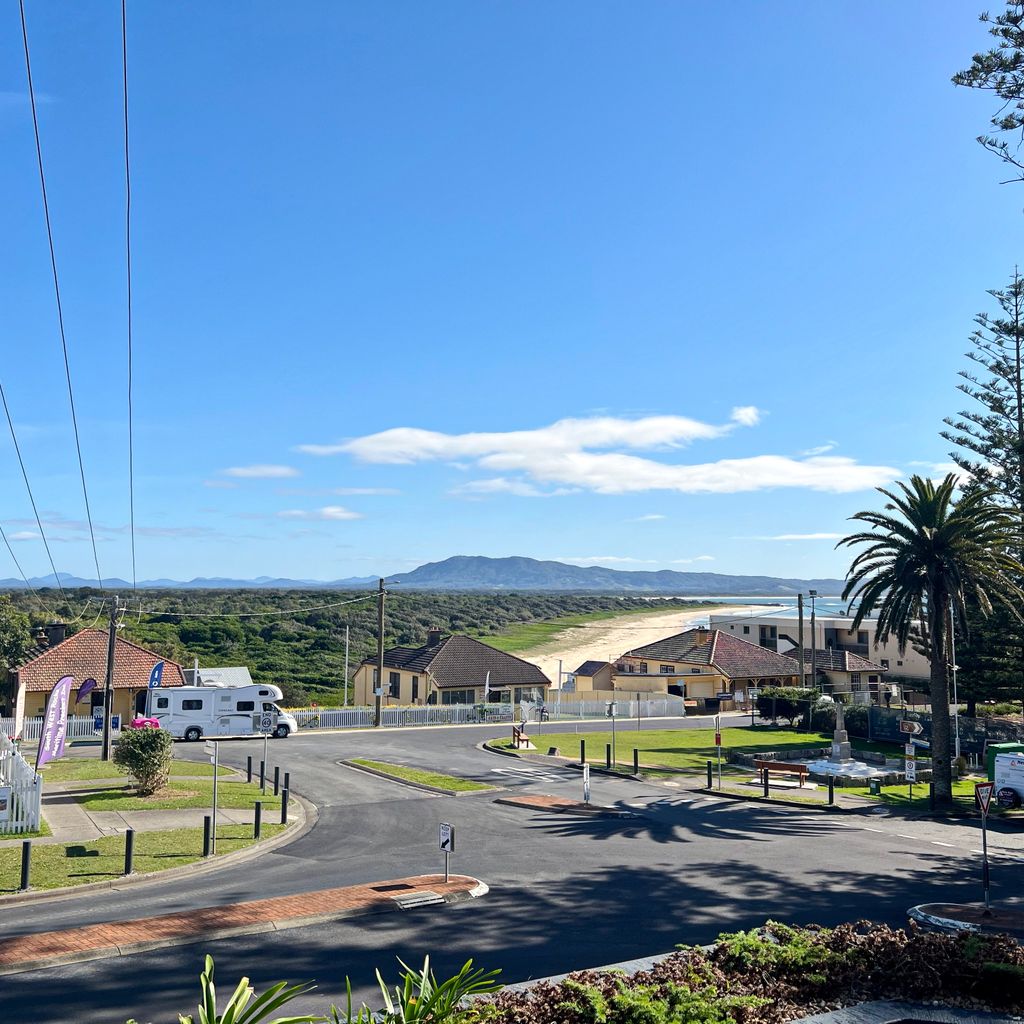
(840, 741)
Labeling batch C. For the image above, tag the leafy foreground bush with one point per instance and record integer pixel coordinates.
(768, 976)
(145, 755)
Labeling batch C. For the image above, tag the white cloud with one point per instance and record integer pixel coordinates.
(329, 513)
(799, 536)
(502, 485)
(262, 472)
(746, 415)
(24, 535)
(340, 492)
(651, 517)
(558, 456)
(821, 449)
(690, 561)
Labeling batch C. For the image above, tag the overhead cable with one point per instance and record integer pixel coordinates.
(56, 287)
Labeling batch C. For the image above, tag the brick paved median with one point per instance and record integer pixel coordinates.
(100, 941)
(560, 805)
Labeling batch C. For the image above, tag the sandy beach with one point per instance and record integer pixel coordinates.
(605, 640)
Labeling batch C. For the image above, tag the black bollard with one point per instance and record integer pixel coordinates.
(277, 779)
(263, 776)
(831, 789)
(248, 768)
(287, 780)
(636, 761)
(583, 751)
(207, 825)
(767, 777)
(608, 756)
(284, 806)
(26, 860)
(711, 770)
(257, 821)
(129, 850)
(931, 796)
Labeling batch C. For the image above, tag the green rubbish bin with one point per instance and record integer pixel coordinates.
(874, 787)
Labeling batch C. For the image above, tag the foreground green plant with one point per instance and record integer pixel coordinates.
(238, 1009)
(420, 999)
(145, 755)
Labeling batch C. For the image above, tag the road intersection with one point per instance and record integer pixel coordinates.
(565, 893)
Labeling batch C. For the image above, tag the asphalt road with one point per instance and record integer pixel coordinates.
(565, 893)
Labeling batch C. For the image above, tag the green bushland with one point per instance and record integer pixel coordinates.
(176, 795)
(681, 749)
(426, 778)
(84, 769)
(303, 651)
(59, 864)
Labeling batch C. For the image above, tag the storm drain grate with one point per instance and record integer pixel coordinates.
(418, 899)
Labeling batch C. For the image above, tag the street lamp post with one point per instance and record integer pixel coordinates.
(956, 703)
(814, 652)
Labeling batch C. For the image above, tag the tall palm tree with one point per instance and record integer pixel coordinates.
(927, 554)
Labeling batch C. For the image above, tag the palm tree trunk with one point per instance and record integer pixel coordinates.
(942, 776)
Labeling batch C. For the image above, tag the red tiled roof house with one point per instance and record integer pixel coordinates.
(84, 656)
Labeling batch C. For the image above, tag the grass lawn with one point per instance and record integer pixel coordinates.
(898, 795)
(400, 771)
(62, 864)
(43, 831)
(526, 636)
(175, 796)
(78, 769)
(681, 749)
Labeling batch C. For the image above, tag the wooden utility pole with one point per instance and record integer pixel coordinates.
(378, 690)
(800, 635)
(108, 683)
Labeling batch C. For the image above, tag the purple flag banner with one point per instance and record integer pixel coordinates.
(85, 689)
(55, 722)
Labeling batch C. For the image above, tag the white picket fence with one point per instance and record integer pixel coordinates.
(80, 727)
(21, 791)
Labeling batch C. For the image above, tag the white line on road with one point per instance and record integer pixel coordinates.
(935, 842)
(900, 835)
(868, 828)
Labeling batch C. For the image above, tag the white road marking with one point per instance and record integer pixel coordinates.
(868, 828)
(935, 842)
(900, 835)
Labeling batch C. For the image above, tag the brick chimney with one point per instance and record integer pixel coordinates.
(434, 636)
(56, 632)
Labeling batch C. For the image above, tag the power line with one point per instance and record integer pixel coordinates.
(21, 572)
(56, 287)
(31, 496)
(128, 263)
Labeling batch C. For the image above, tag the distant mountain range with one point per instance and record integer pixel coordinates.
(475, 572)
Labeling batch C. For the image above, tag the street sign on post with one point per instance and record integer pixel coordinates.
(211, 747)
(983, 792)
(718, 746)
(446, 840)
(586, 783)
(911, 728)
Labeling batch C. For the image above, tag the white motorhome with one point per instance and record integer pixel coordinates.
(190, 712)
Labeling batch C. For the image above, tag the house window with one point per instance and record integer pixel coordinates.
(885, 664)
(415, 687)
(899, 664)
(457, 696)
(246, 705)
(695, 670)
(534, 694)
(862, 637)
(854, 680)
(746, 629)
(873, 680)
(668, 670)
(394, 683)
(643, 667)
(192, 705)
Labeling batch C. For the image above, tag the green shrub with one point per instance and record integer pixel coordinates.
(787, 702)
(145, 755)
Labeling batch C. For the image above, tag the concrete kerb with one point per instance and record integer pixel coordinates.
(425, 787)
(209, 935)
(304, 824)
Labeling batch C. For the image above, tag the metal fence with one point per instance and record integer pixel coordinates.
(80, 727)
(667, 707)
(21, 791)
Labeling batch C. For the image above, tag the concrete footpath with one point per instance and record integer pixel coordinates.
(70, 822)
(119, 938)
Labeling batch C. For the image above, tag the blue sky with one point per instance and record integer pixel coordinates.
(651, 286)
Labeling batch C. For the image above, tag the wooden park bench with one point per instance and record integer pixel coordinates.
(519, 737)
(782, 768)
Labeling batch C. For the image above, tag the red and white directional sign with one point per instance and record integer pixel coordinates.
(911, 728)
(983, 791)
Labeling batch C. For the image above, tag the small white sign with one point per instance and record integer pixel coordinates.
(983, 791)
(6, 796)
(754, 693)
(911, 750)
(266, 723)
(210, 747)
(910, 769)
(446, 837)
